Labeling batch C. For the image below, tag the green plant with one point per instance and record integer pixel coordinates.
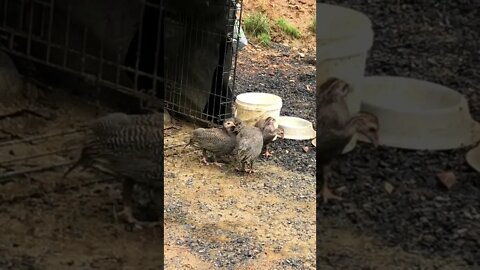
(264, 39)
(288, 28)
(256, 23)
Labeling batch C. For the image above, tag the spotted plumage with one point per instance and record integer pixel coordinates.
(218, 141)
(269, 132)
(249, 143)
(126, 146)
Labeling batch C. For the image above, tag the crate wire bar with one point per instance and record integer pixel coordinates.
(201, 58)
(154, 50)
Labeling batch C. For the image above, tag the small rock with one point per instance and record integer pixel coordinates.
(302, 55)
(388, 187)
(342, 189)
(448, 179)
(306, 149)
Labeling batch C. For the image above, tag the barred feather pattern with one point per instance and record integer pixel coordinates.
(249, 144)
(126, 145)
(219, 141)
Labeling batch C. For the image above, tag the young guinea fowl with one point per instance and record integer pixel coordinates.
(335, 129)
(249, 144)
(127, 146)
(107, 126)
(219, 141)
(270, 133)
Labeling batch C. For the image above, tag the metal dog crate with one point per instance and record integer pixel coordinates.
(175, 54)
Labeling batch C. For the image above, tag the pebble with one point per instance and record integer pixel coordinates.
(410, 218)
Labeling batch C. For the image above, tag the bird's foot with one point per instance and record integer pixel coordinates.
(128, 217)
(239, 169)
(204, 160)
(267, 154)
(250, 171)
(328, 195)
(218, 164)
(126, 214)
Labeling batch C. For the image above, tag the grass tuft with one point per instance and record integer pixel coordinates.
(264, 39)
(256, 23)
(288, 28)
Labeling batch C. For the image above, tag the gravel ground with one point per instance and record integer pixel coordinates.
(438, 42)
(225, 220)
(293, 79)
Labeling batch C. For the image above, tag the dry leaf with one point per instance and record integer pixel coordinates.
(448, 179)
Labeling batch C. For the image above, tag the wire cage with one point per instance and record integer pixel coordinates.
(164, 53)
(140, 55)
(198, 67)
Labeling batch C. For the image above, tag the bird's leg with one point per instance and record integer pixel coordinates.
(267, 154)
(127, 212)
(242, 167)
(127, 201)
(216, 163)
(251, 168)
(204, 159)
(239, 169)
(326, 192)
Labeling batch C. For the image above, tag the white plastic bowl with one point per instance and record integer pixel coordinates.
(251, 107)
(420, 115)
(473, 158)
(296, 128)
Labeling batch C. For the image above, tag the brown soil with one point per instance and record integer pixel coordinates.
(50, 223)
(298, 13)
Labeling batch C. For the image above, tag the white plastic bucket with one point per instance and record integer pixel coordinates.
(344, 37)
(251, 107)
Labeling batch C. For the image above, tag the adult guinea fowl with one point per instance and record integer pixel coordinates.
(218, 141)
(269, 132)
(130, 147)
(249, 144)
(335, 129)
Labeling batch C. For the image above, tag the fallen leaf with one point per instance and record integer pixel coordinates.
(448, 179)
(388, 187)
(306, 149)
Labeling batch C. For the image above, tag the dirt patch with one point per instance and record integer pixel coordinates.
(233, 221)
(298, 13)
(47, 223)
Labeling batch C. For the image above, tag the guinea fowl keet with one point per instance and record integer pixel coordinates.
(131, 147)
(335, 129)
(269, 132)
(249, 143)
(218, 141)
